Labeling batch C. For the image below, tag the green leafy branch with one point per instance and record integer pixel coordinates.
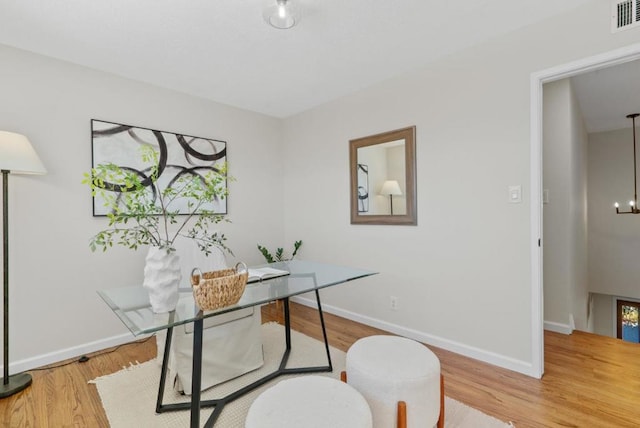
(140, 213)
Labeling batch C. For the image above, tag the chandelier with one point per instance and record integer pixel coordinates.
(633, 204)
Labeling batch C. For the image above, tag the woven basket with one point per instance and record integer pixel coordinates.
(220, 288)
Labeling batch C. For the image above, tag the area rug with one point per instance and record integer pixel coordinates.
(129, 396)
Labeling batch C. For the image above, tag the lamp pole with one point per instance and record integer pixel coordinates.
(18, 382)
(17, 156)
(5, 271)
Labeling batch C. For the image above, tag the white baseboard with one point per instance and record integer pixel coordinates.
(65, 354)
(557, 327)
(459, 348)
(523, 367)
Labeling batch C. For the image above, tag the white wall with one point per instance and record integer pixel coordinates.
(565, 215)
(55, 311)
(603, 315)
(579, 294)
(463, 274)
(614, 240)
(557, 180)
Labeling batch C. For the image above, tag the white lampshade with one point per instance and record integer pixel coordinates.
(283, 14)
(391, 187)
(17, 155)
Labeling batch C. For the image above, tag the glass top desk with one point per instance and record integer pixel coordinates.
(131, 305)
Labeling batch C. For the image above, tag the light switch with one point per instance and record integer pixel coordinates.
(515, 194)
(545, 196)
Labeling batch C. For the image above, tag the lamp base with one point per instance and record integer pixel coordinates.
(17, 383)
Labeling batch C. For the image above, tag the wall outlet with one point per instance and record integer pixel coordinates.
(393, 303)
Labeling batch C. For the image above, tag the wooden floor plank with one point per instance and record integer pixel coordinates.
(590, 381)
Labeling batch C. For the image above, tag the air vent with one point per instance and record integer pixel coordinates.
(625, 14)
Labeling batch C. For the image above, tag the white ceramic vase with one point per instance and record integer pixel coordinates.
(162, 278)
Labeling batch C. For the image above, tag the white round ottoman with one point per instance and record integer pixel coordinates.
(390, 369)
(309, 402)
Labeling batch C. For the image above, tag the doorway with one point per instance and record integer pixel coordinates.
(598, 62)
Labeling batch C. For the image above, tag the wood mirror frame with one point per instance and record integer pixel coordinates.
(410, 216)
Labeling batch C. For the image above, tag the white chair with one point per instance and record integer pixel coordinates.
(232, 343)
(309, 402)
(400, 379)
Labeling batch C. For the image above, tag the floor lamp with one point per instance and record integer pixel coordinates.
(390, 188)
(18, 157)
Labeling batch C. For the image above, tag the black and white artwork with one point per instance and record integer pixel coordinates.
(178, 154)
(363, 188)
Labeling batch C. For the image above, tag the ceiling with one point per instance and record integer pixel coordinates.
(223, 50)
(608, 95)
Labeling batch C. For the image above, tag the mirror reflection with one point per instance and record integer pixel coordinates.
(383, 178)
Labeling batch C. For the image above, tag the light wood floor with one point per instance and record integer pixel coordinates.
(590, 381)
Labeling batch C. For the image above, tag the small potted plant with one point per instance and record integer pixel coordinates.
(140, 213)
(279, 255)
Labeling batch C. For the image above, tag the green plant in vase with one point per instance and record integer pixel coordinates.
(141, 213)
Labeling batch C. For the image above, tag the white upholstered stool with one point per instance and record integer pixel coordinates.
(400, 379)
(309, 402)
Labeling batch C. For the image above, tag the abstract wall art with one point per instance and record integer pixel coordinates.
(178, 154)
(363, 188)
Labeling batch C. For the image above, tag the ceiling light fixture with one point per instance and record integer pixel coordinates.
(282, 15)
(633, 204)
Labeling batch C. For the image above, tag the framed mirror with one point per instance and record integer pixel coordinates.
(383, 178)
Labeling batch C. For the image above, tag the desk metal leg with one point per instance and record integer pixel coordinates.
(196, 373)
(287, 323)
(287, 318)
(324, 331)
(219, 404)
(163, 372)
